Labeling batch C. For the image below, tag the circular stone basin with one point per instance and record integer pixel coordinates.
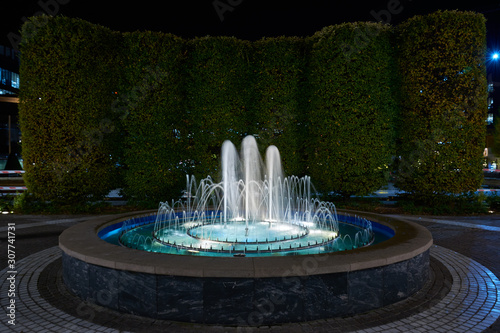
(236, 238)
(246, 291)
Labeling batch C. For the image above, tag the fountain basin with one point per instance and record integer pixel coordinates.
(245, 291)
(260, 238)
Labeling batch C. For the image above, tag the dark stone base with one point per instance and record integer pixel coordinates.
(246, 301)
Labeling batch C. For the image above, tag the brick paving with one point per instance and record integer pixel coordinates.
(463, 294)
(430, 295)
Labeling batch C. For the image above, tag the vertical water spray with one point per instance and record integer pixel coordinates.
(230, 177)
(274, 175)
(252, 165)
(254, 209)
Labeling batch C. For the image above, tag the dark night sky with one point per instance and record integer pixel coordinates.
(245, 19)
(249, 19)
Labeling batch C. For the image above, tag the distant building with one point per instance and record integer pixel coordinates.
(490, 152)
(9, 71)
(491, 112)
(10, 135)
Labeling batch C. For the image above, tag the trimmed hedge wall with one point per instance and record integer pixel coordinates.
(442, 65)
(67, 77)
(279, 118)
(151, 104)
(218, 98)
(101, 109)
(353, 108)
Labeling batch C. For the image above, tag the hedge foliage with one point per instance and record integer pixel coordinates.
(218, 96)
(442, 66)
(101, 109)
(67, 76)
(353, 108)
(280, 95)
(149, 101)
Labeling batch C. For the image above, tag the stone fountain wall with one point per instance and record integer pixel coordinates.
(248, 291)
(246, 301)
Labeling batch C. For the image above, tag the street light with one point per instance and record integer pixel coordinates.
(492, 58)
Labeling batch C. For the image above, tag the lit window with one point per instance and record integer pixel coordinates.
(15, 80)
(489, 120)
(5, 77)
(5, 92)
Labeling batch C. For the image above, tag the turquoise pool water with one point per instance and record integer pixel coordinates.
(264, 239)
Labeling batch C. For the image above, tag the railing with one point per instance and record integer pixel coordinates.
(12, 188)
(12, 171)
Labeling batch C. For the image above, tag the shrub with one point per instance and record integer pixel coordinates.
(151, 107)
(219, 84)
(444, 204)
(280, 120)
(353, 108)
(101, 109)
(67, 78)
(441, 61)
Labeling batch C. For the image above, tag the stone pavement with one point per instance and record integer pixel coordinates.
(462, 296)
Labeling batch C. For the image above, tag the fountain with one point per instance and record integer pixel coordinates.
(253, 211)
(255, 248)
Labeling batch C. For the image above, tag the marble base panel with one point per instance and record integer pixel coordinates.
(246, 301)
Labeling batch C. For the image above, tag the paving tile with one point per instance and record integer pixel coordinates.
(468, 307)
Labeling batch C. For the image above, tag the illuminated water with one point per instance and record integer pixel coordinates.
(252, 211)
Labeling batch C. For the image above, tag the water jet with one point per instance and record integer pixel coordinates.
(255, 236)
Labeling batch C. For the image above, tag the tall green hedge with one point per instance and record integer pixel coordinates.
(279, 118)
(218, 97)
(67, 78)
(442, 65)
(101, 109)
(151, 106)
(353, 108)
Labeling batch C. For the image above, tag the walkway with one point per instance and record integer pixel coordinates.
(470, 306)
(466, 301)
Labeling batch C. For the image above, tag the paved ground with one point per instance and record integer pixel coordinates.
(463, 296)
